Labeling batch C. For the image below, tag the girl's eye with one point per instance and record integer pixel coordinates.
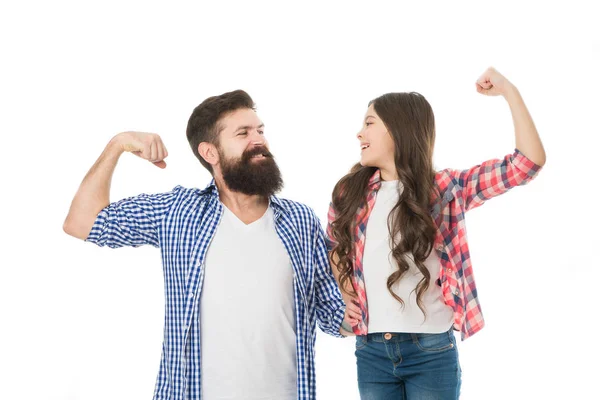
(368, 123)
(261, 132)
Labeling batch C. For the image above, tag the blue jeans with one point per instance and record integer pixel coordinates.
(408, 366)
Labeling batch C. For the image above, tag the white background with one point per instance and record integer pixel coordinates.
(81, 322)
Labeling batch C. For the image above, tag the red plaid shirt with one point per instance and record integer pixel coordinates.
(459, 191)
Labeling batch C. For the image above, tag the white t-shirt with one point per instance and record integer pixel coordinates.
(386, 314)
(247, 314)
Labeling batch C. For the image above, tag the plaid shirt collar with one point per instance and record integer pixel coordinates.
(212, 190)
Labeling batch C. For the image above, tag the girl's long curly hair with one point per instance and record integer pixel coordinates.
(409, 119)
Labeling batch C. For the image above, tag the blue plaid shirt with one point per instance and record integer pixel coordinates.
(182, 223)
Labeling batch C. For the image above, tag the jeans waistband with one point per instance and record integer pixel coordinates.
(384, 337)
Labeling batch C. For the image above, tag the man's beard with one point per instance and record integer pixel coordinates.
(252, 177)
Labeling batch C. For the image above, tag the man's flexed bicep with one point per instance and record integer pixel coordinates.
(94, 192)
(133, 221)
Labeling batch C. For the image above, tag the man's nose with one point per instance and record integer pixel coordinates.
(257, 139)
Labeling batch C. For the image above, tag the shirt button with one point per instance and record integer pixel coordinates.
(456, 292)
(449, 270)
(387, 336)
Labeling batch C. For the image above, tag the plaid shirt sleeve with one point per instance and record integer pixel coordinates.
(494, 177)
(329, 304)
(133, 221)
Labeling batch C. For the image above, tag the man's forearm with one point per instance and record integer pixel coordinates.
(93, 193)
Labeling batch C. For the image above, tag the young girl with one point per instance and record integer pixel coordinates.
(399, 247)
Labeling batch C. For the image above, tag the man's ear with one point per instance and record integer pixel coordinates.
(209, 152)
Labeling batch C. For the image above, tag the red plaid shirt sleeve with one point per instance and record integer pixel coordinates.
(494, 177)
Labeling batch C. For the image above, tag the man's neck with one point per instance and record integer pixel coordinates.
(248, 208)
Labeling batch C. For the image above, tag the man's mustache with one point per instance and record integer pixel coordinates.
(248, 154)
